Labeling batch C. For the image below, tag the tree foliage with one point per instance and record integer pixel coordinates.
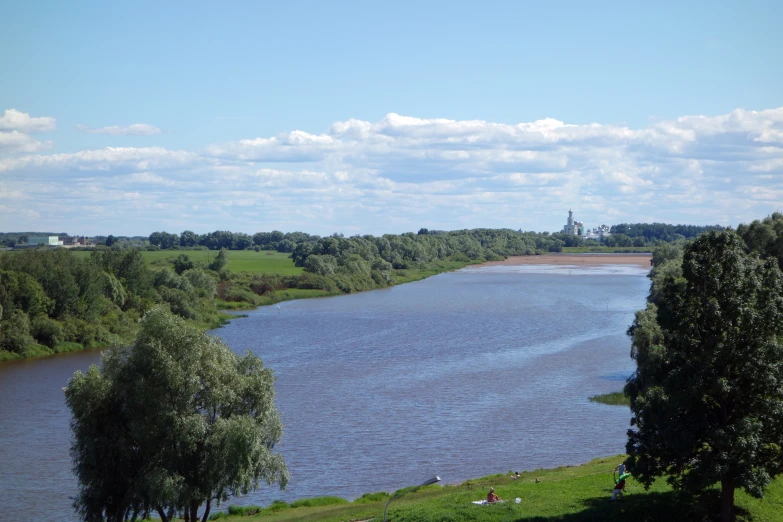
(707, 395)
(170, 423)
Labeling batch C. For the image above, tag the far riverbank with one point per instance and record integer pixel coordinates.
(641, 260)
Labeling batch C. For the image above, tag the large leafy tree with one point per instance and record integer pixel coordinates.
(707, 396)
(173, 422)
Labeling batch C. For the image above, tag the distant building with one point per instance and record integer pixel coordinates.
(44, 240)
(598, 233)
(74, 241)
(576, 228)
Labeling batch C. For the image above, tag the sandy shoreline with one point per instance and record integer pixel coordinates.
(640, 260)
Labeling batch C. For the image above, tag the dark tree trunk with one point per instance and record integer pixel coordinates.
(727, 500)
(206, 512)
(194, 511)
(162, 514)
(187, 515)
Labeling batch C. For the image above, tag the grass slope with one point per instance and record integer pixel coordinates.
(566, 494)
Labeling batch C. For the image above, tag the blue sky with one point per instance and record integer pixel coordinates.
(361, 117)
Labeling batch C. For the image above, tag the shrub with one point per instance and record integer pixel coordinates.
(178, 300)
(182, 263)
(46, 331)
(201, 281)
(15, 332)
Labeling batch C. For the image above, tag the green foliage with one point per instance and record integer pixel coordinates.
(19, 290)
(210, 439)
(46, 331)
(706, 396)
(765, 237)
(220, 261)
(113, 289)
(662, 231)
(15, 332)
(201, 281)
(182, 263)
(613, 399)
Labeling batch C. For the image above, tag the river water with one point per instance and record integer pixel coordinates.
(479, 371)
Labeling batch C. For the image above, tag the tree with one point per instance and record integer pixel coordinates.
(707, 395)
(188, 238)
(220, 261)
(174, 421)
(110, 240)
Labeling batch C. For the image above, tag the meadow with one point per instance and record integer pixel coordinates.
(262, 262)
(565, 494)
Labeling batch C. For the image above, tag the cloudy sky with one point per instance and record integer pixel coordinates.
(358, 118)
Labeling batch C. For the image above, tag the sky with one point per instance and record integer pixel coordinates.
(373, 118)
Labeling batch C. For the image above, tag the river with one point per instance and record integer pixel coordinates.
(479, 371)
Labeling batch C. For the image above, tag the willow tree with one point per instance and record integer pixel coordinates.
(170, 423)
(707, 395)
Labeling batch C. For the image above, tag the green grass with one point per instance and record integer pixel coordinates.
(263, 262)
(614, 399)
(566, 494)
(607, 250)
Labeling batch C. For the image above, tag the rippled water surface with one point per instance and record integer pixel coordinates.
(464, 374)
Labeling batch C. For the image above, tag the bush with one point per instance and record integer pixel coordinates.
(182, 263)
(15, 332)
(46, 331)
(178, 300)
(229, 291)
(89, 334)
(201, 281)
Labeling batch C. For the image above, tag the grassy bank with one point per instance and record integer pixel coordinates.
(567, 494)
(614, 399)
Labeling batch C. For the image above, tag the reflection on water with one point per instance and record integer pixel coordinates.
(479, 371)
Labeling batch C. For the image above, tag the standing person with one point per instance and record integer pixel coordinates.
(492, 497)
(619, 488)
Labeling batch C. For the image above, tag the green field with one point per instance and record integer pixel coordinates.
(263, 262)
(566, 494)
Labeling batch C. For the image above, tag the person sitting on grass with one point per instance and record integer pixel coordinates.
(516, 475)
(492, 497)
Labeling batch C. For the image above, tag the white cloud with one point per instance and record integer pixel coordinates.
(14, 120)
(403, 172)
(137, 129)
(16, 141)
(108, 159)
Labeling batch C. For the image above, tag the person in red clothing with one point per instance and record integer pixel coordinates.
(619, 489)
(491, 497)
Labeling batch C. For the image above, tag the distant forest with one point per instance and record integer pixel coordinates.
(661, 231)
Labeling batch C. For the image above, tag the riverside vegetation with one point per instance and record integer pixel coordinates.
(55, 300)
